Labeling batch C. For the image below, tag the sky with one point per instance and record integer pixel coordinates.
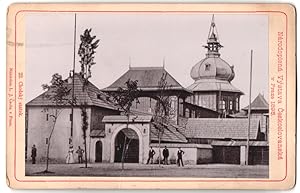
(145, 39)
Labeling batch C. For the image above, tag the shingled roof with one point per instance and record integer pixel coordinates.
(211, 128)
(259, 103)
(171, 134)
(147, 77)
(91, 95)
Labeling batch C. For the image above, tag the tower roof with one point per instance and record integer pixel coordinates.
(213, 85)
(212, 72)
(259, 103)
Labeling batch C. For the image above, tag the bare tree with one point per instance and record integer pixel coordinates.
(58, 93)
(86, 53)
(163, 111)
(124, 98)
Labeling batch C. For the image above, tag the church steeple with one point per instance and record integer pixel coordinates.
(213, 44)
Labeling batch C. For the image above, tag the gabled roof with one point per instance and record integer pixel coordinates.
(148, 78)
(91, 95)
(211, 128)
(259, 103)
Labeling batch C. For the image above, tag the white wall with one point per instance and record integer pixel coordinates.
(189, 156)
(39, 129)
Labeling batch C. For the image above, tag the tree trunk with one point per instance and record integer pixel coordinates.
(123, 152)
(124, 145)
(48, 146)
(47, 158)
(85, 153)
(159, 154)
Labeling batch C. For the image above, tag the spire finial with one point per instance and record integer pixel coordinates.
(164, 62)
(213, 20)
(213, 44)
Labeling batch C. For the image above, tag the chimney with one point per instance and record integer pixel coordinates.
(70, 77)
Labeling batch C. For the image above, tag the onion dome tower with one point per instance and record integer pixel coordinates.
(212, 87)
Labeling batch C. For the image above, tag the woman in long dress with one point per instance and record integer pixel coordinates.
(70, 156)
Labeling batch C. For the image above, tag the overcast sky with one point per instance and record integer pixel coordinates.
(146, 39)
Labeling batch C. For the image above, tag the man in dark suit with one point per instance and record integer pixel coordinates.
(179, 157)
(33, 153)
(166, 155)
(150, 155)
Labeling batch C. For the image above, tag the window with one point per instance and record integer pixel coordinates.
(237, 104)
(207, 67)
(230, 105)
(193, 114)
(47, 117)
(181, 113)
(222, 105)
(197, 99)
(187, 113)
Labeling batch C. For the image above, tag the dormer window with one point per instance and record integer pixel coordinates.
(207, 67)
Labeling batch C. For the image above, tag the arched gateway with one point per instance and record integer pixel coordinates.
(132, 135)
(127, 144)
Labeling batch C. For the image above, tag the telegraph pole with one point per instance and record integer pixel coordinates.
(73, 82)
(249, 112)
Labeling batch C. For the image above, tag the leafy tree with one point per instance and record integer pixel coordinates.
(58, 93)
(124, 98)
(86, 52)
(163, 111)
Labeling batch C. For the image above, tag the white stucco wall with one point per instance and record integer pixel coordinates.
(39, 129)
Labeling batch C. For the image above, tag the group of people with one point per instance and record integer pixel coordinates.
(166, 156)
(69, 158)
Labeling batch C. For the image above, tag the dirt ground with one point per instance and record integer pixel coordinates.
(141, 170)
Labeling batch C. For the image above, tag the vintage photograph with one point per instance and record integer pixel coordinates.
(147, 94)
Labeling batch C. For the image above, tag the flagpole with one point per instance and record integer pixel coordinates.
(73, 80)
(249, 112)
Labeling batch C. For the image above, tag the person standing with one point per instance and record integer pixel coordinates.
(80, 154)
(150, 155)
(166, 155)
(179, 157)
(33, 153)
(70, 157)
